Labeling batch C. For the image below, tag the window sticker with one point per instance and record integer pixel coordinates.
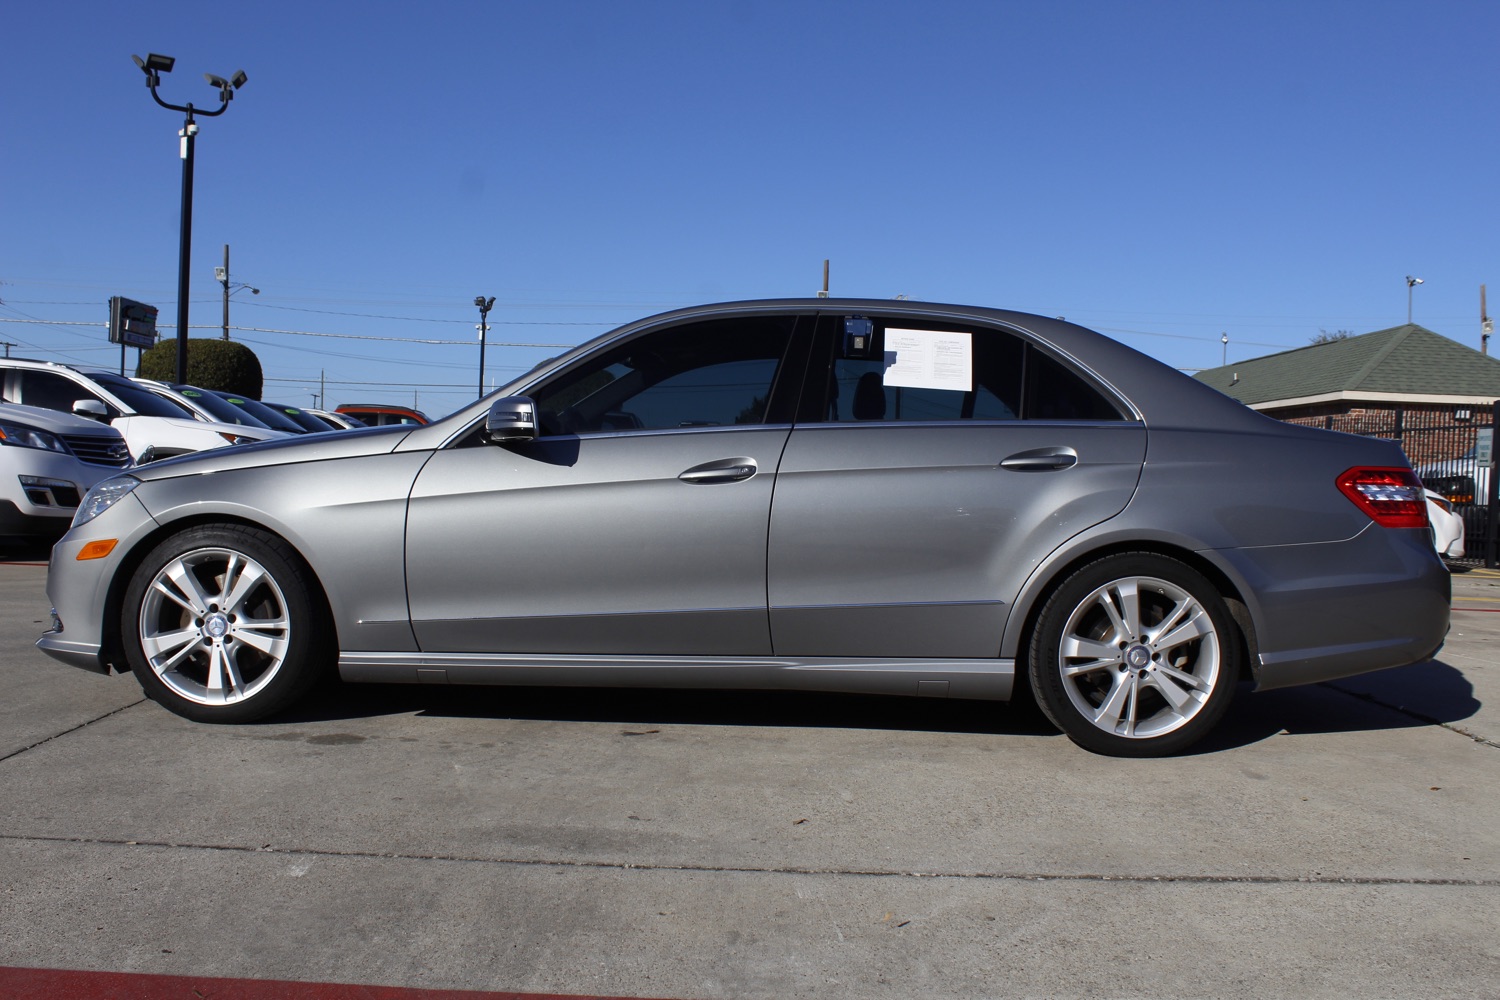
(929, 359)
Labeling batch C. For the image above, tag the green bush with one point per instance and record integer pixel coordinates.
(211, 363)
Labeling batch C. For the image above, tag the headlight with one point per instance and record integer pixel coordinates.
(30, 437)
(103, 496)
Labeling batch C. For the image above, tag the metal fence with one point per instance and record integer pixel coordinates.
(1450, 446)
(1452, 449)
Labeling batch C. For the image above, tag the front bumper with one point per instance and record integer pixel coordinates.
(80, 589)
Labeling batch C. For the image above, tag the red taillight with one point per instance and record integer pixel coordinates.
(1392, 497)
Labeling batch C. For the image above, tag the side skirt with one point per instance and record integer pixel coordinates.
(989, 680)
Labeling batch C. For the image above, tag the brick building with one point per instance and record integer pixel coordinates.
(1406, 383)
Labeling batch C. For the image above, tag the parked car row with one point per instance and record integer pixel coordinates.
(62, 428)
(48, 461)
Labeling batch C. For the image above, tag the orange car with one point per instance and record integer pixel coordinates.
(382, 414)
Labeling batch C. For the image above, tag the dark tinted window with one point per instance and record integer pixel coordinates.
(139, 398)
(922, 371)
(301, 417)
(713, 374)
(267, 415)
(218, 407)
(1053, 392)
(55, 392)
(867, 388)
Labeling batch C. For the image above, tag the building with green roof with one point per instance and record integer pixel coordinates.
(1404, 383)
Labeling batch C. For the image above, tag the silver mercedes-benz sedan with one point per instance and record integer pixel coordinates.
(833, 495)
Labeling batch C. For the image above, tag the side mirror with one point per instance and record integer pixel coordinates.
(91, 408)
(511, 419)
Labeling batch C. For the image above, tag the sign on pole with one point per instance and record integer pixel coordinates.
(132, 323)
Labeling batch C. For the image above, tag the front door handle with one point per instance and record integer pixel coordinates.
(1041, 460)
(725, 470)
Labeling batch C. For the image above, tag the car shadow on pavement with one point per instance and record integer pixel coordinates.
(24, 551)
(1423, 694)
(777, 709)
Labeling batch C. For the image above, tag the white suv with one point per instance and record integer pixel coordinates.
(48, 460)
(152, 427)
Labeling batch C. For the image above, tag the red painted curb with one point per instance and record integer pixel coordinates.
(57, 984)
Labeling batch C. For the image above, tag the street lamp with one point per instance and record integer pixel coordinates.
(154, 65)
(1410, 284)
(221, 275)
(1224, 339)
(485, 305)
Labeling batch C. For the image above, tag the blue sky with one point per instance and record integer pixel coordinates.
(1163, 172)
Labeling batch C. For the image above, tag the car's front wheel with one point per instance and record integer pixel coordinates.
(1135, 655)
(222, 623)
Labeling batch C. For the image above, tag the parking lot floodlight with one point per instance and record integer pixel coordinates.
(485, 305)
(152, 65)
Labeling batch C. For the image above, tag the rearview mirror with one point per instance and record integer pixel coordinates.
(511, 419)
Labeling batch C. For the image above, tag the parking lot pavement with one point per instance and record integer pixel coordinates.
(1336, 840)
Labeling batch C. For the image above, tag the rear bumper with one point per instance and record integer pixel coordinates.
(1378, 600)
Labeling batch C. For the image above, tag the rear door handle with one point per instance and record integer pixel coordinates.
(725, 470)
(1041, 460)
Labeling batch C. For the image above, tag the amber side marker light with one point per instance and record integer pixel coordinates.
(97, 550)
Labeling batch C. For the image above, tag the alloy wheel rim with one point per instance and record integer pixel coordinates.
(1139, 657)
(214, 626)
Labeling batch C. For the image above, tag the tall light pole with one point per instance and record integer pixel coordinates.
(221, 275)
(1410, 284)
(1224, 359)
(152, 66)
(485, 305)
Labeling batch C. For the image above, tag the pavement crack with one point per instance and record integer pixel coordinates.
(1004, 876)
(72, 729)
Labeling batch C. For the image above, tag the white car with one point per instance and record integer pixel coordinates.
(1447, 526)
(1462, 480)
(212, 408)
(152, 427)
(48, 461)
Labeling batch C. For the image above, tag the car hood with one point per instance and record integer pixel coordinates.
(284, 451)
(54, 421)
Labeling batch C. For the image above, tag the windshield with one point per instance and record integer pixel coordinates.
(265, 414)
(140, 399)
(307, 421)
(220, 408)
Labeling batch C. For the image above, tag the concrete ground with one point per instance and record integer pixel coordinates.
(1332, 841)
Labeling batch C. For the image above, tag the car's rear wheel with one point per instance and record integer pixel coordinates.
(222, 623)
(1135, 655)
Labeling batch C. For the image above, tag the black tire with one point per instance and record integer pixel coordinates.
(223, 623)
(1142, 683)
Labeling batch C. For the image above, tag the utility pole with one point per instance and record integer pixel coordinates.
(224, 279)
(1486, 325)
(221, 275)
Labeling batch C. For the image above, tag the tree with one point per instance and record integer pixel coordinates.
(211, 364)
(1324, 337)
